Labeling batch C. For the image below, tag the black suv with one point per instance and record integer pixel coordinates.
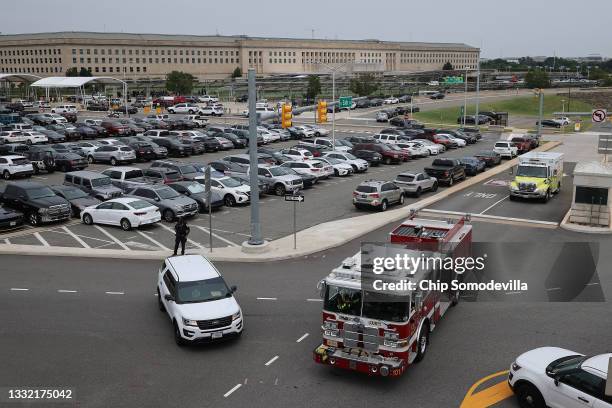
(174, 146)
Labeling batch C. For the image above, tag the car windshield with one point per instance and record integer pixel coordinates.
(531, 171)
(167, 193)
(188, 169)
(139, 204)
(367, 189)
(569, 363)
(74, 193)
(40, 192)
(393, 309)
(279, 171)
(195, 188)
(230, 182)
(408, 178)
(202, 291)
(133, 174)
(100, 182)
(342, 300)
(350, 156)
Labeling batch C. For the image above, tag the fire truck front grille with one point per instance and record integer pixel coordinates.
(356, 335)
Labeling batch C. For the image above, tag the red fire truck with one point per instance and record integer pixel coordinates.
(384, 332)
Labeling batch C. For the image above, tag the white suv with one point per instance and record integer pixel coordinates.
(14, 166)
(506, 149)
(198, 301)
(64, 109)
(559, 378)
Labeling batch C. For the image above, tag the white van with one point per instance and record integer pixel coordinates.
(64, 109)
(199, 303)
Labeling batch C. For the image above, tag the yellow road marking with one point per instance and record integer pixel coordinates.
(489, 396)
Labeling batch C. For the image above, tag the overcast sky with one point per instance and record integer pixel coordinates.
(512, 28)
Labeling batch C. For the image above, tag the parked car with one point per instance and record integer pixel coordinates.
(389, 156)
(437, 95)
(472, 165)
(41, 160)
(522, 144)
(162, 175)
(391, 101)
(115, 128)
(78, 199)
(414, 148)
(174, 147)
(37, 201)
(113, 155)
(434, 148)
(340, 168)
(373, 158)
(197, 192)
(489, 157)
(233, 191)
(64, 108)
(12, 136)
(10, 219)
(93, 183)
(186, 170)
(171, 204)
(506, 149)
(446, 171)
(68, 161)
(297, 154)
(416, 183)
(228, 168)
(145, 151)
(310, 167)
(549, 123)
(377, 194)
(15, 166)
(125, 212)
(189, 108)
(126, 178)
(358, 165)
(85, 131)
(282, 180)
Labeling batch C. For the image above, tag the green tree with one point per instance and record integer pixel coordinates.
(84, 72)
(448, 66)
(179, 82)
(364, 84)
(537, 79)
(237, 73)
(313, 88)
(72, 72)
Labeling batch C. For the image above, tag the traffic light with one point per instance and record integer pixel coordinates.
(322, 111)
(286, 116)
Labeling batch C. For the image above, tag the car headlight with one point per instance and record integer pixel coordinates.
(236, 315)
(389, 343)
(188, 322)
(242, 193)
(515, 367)
(513, 187)
(391, 336)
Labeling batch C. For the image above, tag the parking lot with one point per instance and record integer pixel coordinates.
(328, 200)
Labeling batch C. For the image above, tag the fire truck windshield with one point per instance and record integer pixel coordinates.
(350, 301)
(343, 300)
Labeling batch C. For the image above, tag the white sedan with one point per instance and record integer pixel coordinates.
(358, 165)
(391, 101)
(124, 212)
(415, 149)
(318, 131)
(559, 378)
(340, 168)
(460, 142)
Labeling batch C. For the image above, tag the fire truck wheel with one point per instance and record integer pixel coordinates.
(528, 396)
(423, 342)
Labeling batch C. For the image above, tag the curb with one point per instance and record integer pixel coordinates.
(583, 229)
(315, 239)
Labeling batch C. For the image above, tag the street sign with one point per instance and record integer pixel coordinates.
(452, 80)
(298, 198)
(599, 115)
(345, 102)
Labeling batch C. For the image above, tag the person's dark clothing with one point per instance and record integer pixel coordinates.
(181, 231)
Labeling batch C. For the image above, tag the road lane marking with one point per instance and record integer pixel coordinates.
(484, 217)
(302, 338)
(115, 240)
(153, 241)
(549, 289)
(273, 359)
(19, 289)
(66, 291)
(115, 293)
(188, 240)
(266, 298)
(488, 396)
(314, 300)
(227, 394)
(494, 204)
(76, 238)
(41, 239)
(227, 241)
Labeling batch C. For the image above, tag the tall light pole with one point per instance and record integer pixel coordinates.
(477, 114)
(255, 238)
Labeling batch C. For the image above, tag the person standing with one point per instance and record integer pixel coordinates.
(181, 230)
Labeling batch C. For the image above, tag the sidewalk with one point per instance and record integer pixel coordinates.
(311, 240)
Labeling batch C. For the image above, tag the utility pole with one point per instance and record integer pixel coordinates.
(334, 110)
(541, 114)
(477, 114)
(255, 238)
(465, 98)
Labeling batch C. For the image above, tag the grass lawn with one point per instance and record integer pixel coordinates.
(526, 106)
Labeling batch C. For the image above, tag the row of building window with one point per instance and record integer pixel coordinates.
(38, 70)
(102, 60)
(19, 61)
(162, 51)
(30, 51)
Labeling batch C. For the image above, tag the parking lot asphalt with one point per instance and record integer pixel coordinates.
(491, 198)
(104, 337)
(328, 200)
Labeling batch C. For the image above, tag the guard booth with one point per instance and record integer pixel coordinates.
(592, 191)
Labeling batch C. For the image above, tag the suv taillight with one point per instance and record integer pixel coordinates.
(375, 195)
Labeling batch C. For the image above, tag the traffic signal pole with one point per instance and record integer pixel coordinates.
(255, 238)
(334, 110)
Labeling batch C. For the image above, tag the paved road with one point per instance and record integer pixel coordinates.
(92, 325)
(328, 200)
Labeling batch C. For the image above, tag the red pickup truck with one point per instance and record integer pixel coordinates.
(523, 144)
